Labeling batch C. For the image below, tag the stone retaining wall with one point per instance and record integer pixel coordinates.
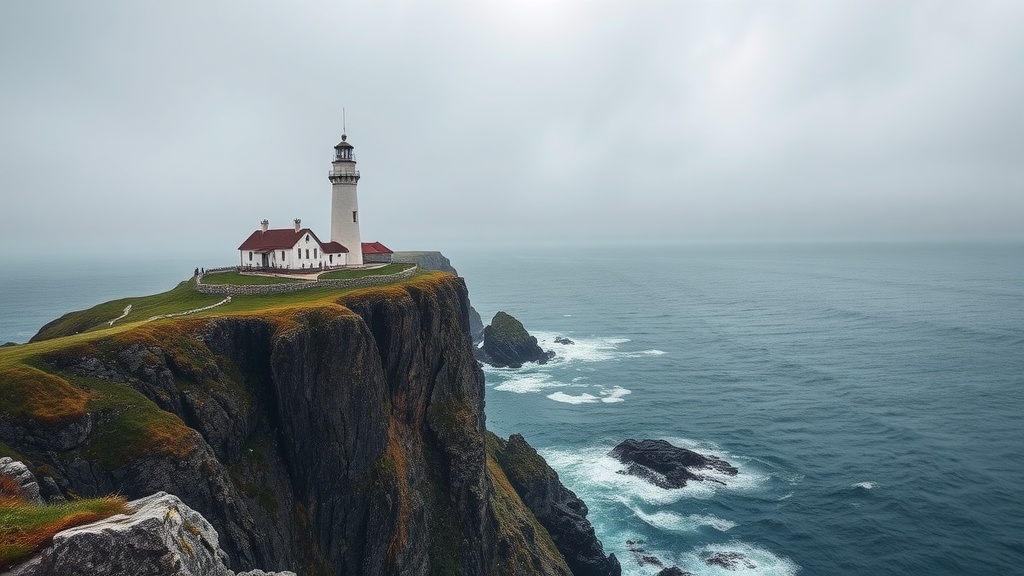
(252, 289)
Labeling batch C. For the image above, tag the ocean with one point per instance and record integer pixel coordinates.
(871, 396)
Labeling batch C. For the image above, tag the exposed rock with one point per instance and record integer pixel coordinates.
(674, 571)
(730, 561)
(433, 260)
(563, 340)
(508, 344)
(162, 537)
(23, 477)
(642, 557)
(665, 465)
(557, 508)
(339, 438)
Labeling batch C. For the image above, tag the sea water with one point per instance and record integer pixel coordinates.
(870, 396)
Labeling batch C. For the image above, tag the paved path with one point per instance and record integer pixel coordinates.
(127, 309)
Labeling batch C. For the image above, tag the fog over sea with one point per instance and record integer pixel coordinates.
(870, 395)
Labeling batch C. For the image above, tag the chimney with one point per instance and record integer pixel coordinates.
(298, 224)
(265, 224)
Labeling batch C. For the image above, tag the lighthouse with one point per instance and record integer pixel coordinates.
(344, 204)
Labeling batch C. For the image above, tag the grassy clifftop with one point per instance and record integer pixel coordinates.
(37, 390)
(183, 298)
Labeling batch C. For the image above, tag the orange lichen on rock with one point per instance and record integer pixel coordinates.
(396, 455)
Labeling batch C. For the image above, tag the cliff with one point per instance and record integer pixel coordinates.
(433, 260)
(343, 434)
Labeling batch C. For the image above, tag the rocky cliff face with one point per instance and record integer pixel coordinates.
(433, 260)
(556, 507)
(341, 438)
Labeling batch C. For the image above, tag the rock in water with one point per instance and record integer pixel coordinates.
(665, 465)
(163, 537)
(730, 561)
(508, 344)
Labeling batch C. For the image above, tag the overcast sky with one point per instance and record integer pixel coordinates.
(178, 126)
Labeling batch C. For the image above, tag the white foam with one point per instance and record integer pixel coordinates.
(592, 470)
(747, 478)
(646, 353)
(608, 396)
(764, 562)
(614, 395)
(864, 485)
(570, 399)
(523, 383)
(673, 522)
(581, 350)
(596, 472)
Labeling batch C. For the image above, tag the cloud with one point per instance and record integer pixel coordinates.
(187, 123)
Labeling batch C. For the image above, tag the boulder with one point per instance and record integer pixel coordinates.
(508, 344)
(665, 465)
(26, 481)
(163, 537)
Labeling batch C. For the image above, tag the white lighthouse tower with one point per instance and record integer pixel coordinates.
(344, 204)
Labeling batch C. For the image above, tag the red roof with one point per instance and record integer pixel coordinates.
(376, 248)
(333, 248)
(274, 239)
(285, 238)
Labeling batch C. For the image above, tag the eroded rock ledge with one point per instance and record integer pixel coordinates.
(668, 466)
(162, 537)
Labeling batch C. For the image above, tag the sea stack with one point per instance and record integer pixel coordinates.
(508, 344)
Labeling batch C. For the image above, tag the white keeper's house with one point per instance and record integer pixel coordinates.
(299, 248)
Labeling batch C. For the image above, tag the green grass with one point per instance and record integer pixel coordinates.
(26, 527)
(137, 426)
(58, 335)
(363, 272)
(6, 450)
(180, 298)
(236, 279)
